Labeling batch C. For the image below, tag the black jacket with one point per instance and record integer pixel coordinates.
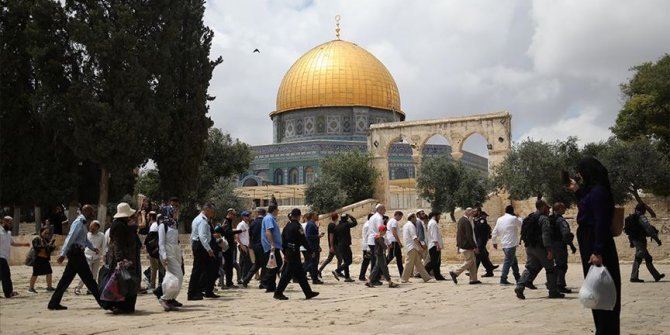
(293, 236)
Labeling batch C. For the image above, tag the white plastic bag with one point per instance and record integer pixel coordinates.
(272, 262)
(170, 284)
(598, 290)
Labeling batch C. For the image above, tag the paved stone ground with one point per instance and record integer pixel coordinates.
(346, 308)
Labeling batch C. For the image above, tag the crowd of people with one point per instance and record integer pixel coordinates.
(109, 263)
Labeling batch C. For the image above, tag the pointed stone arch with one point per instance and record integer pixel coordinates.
(496, 129)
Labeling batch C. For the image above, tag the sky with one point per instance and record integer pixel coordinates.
(556, 66)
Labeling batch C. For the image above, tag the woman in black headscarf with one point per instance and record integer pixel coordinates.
(596, 242)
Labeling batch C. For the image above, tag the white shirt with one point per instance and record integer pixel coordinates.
(106, 242)
(373, 230)
(5, 243)
(244, 235)
(304, 227)
(393, 223)
(166, 239)
(408, 236)
(98, 241)
(434, 237)
(507, 227)
(364, 236)
(153, 227)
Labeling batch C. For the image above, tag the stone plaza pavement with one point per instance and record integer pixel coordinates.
(346, 308)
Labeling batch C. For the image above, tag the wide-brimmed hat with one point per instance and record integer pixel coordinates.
(123, 210)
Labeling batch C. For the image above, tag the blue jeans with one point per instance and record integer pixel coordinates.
(510, 260)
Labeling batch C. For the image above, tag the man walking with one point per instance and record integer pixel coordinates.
(293, 237)
(343, 241)
(507, 228)
(414, 249)
(435, 245)
(638, 239)
(203, 255)
(373, 230)
(73, 248)
(242, 240)
(367, 256)
(393, 238)
(561, 237)
(255, 232)
(536, 235)
(465, 241)
(272, 246)
(482, 235)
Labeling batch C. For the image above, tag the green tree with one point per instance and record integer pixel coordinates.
(447, 184)
(149, 183)
(646, 110)
(634, 166)
(182, 71)
(222, 195)
(353, 171)
(325, 194)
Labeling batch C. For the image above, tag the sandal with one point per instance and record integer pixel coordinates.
(393, 285)
(77, 291)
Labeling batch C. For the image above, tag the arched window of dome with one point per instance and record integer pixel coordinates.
(278, 177)
(401, 173)
(309, 174)
(250, 182)
(293, 176)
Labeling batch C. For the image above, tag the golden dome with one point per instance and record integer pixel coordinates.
(337, 73)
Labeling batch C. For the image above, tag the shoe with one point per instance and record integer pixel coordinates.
(475, 282)
(32, 291)
(335, 274)
(362, 279)
(377, 283)
(369, 285)
(197, 297)
(488, 274)
(175, 303)
(165, 305)
(58, 307)
(50, 289)
(349, 280)
(311, 295)
(317, 282)
(564, 290)
(270, 290)
(261, 287)
(505, 282)
(232, 286)
(453, 277)
(636, 280)
(440, 278)
(556, 295)
(280, 297)
(77, 291)
(661, 276)
(239, 282)
(393, 285)
(530, 286)
(427, 280)
(519, 292)
(212, 295)
(494, 267)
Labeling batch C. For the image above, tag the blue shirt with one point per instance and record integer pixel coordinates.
(269, 223)
(312, 234)
(200, 231)
(77, 236)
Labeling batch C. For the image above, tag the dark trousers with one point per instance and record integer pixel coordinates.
(641, 253)
(312, 264)
(76, 265)
(364, 264)
(344, 253)
(293, 269)
(435, 262)
(228, 264)
(606, 322)
(560, 251)
(373, 258)
(330, 257)
(483, 258)
(396, 252)
(270, 276)
(6, 278)
(245, 262)
(536, 260)
(259, 263)
(380, 269)
(199, 272)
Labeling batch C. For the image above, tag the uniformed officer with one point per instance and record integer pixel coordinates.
(639, 241)
(293, 236)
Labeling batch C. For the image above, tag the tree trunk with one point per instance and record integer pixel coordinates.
(639, 201)
(38, 219)
(103, 198)
(453, 218)
(17, 220)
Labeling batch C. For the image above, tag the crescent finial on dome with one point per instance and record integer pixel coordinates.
(337, 26)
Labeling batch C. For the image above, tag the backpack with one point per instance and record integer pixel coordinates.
(632, 226)
(531, 232)
(151, 243)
